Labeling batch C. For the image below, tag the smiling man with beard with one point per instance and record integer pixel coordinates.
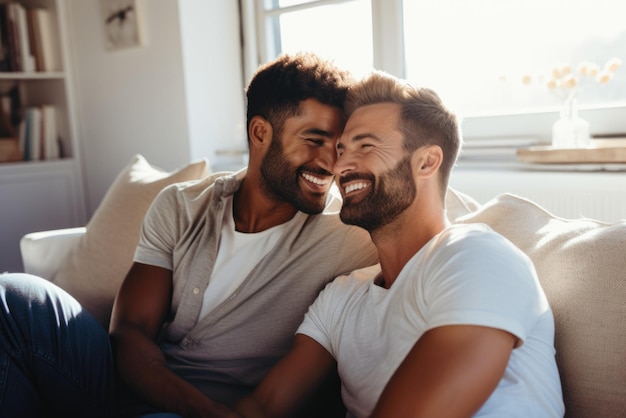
(453, 321)
(281, 179)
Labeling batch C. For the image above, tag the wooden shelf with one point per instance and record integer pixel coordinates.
(601, 151)
(32, 76)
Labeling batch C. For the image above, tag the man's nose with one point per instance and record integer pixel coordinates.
(326, 158)
(343, 164)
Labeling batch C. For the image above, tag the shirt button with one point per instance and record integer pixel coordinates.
(196, 290)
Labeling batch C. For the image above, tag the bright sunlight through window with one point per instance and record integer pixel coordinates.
(486, 58)
(497, 56)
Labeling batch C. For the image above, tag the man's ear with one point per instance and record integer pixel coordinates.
(260, 132)
(427, 160)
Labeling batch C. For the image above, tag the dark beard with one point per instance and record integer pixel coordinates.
(389, 197)
(280, 178)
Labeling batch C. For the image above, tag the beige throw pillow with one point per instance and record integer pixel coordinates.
(459, 204)
(94, 270)
(582, 267)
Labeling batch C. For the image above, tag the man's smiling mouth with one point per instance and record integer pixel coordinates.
(355, 187)
(320, 181)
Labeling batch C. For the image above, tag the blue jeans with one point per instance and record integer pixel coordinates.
(55, 358)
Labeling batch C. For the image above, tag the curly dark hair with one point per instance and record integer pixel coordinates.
(279, 86)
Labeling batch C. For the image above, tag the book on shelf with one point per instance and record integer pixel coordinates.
(28, 41)
(12, 40)
(49, 134)
(33, 130)
(37, 134)
(43, 36)
(28, 60)
(20, 56)
(32, 140)
(34, 37)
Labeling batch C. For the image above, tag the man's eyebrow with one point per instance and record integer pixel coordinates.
(364, 136)
(318, 132)
(358, 138)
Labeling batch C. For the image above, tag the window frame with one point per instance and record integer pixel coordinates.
(388, 53)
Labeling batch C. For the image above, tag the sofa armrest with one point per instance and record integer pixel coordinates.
(44, 251)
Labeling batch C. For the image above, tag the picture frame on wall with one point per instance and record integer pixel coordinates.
(122, 24)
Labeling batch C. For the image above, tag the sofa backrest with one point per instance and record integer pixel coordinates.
(582, 267)
(95, 267)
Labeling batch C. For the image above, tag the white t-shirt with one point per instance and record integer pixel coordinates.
(237, 255)
(467, 274)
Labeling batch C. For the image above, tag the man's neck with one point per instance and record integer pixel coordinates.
(254, 211)
(400, 240)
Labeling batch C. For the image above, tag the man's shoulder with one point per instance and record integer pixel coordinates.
(222, 183)
(479, 248)
(356, 279)
(328, 227)
(477, 236)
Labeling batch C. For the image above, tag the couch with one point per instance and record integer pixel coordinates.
(581, 264)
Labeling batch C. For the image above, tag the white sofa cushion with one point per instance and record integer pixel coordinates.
(95, 268)
(582, 268)
(459, 204)
(43, 252)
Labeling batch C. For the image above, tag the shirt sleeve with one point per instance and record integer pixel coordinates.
(333, 308)
(316, 323)
(158, 233)
(483, 280)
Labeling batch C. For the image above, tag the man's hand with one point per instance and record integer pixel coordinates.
(291, 383)
(142, 304)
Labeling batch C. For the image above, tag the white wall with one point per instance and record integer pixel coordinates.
(176, 99)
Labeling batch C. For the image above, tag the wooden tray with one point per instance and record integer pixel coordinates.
(601, 151)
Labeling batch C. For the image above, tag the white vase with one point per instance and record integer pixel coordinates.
(570, 130)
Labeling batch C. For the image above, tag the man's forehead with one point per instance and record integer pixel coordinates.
(380, 115)
(372, 124)
(373, 114)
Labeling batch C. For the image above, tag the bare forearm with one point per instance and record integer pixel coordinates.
(142, 367)
(250, 407)
(294, 382)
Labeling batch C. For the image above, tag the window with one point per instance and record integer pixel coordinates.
(490, 60)
(494, 56)
(296, 25)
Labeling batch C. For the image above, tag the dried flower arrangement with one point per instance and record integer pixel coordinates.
(564, 81)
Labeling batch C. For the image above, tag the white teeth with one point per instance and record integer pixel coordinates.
(313, 179)
(355, 186)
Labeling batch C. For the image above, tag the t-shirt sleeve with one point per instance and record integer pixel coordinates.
(158, 233)
(332, 310)
(316, 323)
(482, 280)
